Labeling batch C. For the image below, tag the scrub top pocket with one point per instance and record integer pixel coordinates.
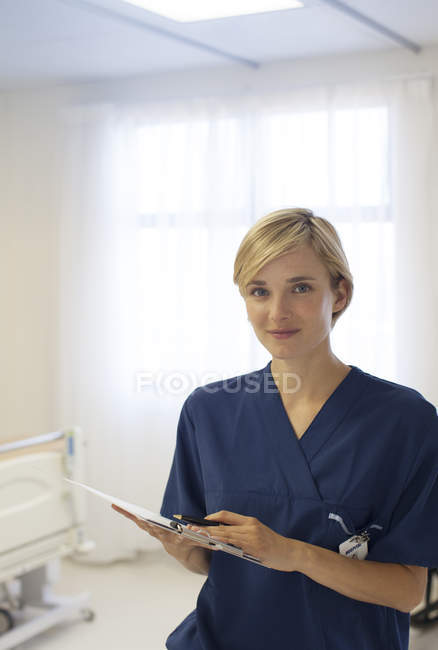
(343, 522)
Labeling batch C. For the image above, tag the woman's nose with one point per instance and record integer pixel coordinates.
(279, 308)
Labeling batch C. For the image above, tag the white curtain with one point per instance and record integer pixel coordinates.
(96, 288)
(156, 199)
(414, 161)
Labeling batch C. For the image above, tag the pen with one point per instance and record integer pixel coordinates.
(200, 522)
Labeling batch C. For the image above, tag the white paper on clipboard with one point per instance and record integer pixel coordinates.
(169, 524)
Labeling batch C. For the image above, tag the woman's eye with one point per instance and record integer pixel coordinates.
(300, 286)
(253, 292)
(306, 288)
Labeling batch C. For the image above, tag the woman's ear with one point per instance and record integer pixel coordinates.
(341, 293)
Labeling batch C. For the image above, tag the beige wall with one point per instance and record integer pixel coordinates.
(27, 267)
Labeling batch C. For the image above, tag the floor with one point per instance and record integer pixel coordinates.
(137, 604)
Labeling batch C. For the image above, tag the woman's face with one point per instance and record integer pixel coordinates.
(293, 292)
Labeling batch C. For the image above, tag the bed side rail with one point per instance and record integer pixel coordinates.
(30, 442)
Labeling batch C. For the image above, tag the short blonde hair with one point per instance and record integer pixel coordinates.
(281, 232)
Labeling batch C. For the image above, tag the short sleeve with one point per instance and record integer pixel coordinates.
(412, 536)
(184, 493)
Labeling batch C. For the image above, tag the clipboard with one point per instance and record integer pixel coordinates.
(169, 524)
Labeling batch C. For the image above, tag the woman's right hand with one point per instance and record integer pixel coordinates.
(176, 545)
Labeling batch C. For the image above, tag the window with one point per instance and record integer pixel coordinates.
(202, 182)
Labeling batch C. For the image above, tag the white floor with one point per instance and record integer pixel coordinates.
(137, 604)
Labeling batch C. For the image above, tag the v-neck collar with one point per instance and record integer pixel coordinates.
(325, 422)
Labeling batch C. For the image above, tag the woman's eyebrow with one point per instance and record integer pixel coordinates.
(297, 278)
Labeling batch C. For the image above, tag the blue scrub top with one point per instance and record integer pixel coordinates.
(369, 457)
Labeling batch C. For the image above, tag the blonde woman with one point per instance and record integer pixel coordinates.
(326, 473)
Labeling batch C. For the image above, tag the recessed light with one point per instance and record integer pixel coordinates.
(187, 11)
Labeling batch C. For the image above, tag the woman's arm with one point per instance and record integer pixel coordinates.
(198, 560)
(192, 555)
(391, 585)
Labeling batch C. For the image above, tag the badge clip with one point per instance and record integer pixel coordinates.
(356, 546)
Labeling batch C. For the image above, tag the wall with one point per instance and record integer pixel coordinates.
(270, 77)
(27, 264)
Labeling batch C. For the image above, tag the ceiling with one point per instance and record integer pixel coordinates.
(73, 41)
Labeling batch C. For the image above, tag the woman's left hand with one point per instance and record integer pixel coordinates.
(253, 537)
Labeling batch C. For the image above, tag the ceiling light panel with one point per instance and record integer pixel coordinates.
(188, 11)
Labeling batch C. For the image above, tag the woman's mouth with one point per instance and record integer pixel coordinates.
(282, 334)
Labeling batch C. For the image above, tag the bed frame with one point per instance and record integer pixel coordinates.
(41, 520)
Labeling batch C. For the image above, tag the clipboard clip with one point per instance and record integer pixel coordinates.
(228, 548)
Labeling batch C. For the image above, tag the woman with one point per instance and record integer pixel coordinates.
(295, 459)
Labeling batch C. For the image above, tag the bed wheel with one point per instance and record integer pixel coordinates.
(6, 621)
(88, 615)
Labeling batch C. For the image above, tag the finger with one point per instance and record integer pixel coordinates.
(227, 538)
(202, 530)
(227, 517)
(140, 522)
(123, 512)
(145, 526)
(157, 531)
(235, 535)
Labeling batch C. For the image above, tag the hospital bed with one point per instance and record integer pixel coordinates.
(41, 521)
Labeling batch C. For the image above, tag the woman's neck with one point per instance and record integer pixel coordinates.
(301, 381)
